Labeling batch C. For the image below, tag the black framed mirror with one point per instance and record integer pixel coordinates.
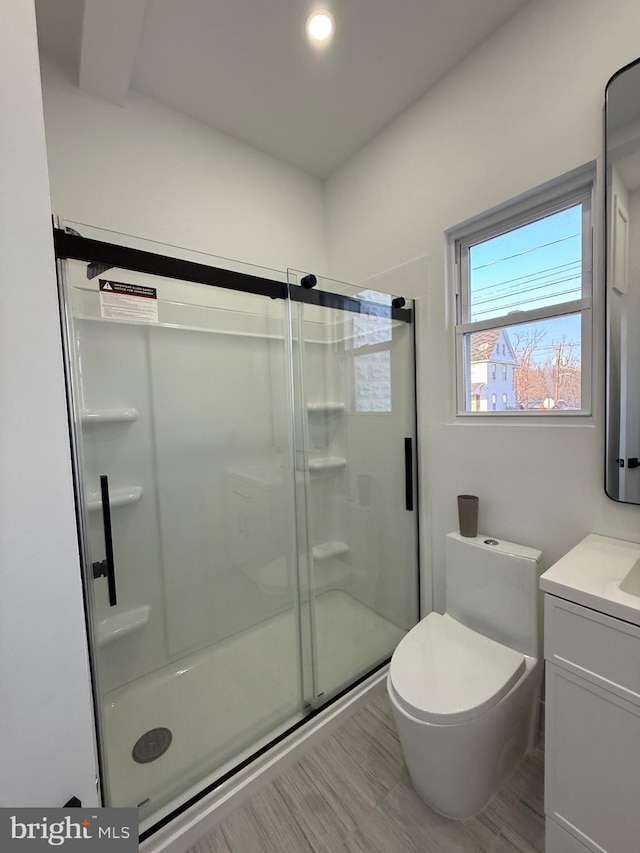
(622, 169)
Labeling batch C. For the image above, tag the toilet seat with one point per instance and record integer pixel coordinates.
(443, 672)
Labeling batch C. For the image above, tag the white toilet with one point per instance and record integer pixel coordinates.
(465, 686)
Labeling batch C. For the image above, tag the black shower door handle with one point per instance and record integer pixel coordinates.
(110, 569)
(408, 474)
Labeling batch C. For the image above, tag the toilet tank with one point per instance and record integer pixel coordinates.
(494, 589)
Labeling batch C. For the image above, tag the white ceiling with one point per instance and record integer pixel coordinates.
(245, 68)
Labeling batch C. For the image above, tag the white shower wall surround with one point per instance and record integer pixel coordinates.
(264, 556)
(185, 508)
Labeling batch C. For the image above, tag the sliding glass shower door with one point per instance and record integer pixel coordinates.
(244, 458)
(354, 389)
(181, 399)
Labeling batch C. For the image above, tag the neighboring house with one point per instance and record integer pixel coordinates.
(492, 364)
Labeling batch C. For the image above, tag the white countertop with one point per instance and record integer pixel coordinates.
(590, 574)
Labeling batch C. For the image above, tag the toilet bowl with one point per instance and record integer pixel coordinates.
(465, 685)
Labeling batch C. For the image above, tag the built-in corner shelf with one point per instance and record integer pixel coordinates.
(328, 550)
(108, 416)
(327, 463)
(117, 497)
(121, 624)
(328, 407)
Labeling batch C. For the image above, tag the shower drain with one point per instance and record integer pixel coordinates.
(152, 745)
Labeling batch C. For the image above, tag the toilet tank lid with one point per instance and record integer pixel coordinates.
(493, 543)
(443, 672)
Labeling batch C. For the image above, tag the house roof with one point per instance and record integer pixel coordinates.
(484, 346)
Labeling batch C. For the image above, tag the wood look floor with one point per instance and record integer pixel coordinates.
(352, 793)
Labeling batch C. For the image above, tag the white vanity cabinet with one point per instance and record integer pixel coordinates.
(592, 773)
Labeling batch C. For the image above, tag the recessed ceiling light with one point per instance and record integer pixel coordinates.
(320, 26)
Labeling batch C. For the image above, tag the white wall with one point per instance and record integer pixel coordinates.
(147, 170)
(522, 109)
(46, 736)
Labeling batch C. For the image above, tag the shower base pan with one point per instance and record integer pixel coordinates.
(219, 704)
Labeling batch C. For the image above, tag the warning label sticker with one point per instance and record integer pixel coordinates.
(121, 301)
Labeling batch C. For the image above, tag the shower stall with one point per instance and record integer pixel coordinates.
(244, 456)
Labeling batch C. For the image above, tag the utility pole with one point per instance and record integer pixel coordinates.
(558, 363)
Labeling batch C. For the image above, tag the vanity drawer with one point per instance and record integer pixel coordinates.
(597, 647)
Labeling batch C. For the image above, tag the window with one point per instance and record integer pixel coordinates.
(524, 300)
(371, 380)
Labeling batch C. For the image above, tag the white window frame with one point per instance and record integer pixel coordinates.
(551, 198)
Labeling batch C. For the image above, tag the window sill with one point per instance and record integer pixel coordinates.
(524, 418)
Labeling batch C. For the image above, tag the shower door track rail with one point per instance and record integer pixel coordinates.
(111, 255)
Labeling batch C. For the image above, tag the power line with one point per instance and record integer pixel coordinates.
(534, 285)
(552, 346)
(478, 288)
(512, 305)
(524, 251)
